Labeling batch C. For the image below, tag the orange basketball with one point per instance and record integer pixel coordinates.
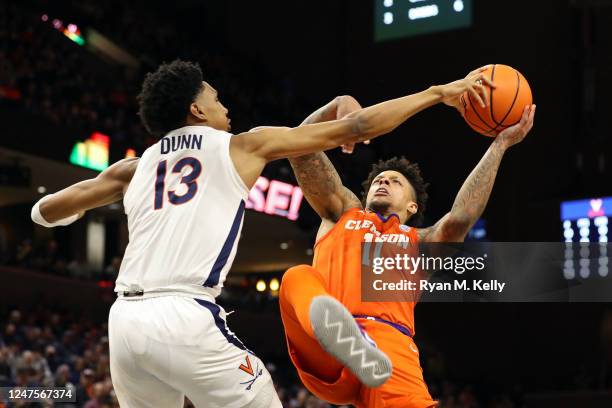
(506, 102)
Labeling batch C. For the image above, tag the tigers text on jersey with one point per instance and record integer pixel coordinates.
(185, 206)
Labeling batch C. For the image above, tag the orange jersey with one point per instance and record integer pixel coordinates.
(338, 258)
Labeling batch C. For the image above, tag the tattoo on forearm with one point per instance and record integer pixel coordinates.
(318, 177)
(319, 180)
(470, 201)
(476, 190)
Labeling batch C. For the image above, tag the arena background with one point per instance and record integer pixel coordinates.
(274, 63)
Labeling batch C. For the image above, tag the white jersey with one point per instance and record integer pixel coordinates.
(185, 206)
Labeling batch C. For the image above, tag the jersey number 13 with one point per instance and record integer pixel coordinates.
(190, 180)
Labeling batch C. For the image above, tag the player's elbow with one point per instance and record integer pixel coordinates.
(456, 227)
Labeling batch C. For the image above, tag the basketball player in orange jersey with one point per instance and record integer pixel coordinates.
(342, 347)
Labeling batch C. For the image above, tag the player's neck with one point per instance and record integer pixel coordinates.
(191, 121)
(385, 214)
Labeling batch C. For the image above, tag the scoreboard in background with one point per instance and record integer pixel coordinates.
(585, 229)
(586, 220)
(407, 18)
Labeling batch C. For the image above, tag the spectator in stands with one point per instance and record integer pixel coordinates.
(84, 390)
(62, 377)
(10, 334)
(97, 396)
(5, 366)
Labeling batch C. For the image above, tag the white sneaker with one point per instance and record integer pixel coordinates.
(340, 335)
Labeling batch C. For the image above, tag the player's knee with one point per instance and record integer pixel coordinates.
(293, 278)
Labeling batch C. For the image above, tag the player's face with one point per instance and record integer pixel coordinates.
(391, 192)
(212, 111)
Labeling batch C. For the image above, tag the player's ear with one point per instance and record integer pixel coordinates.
(196, 111)
(412, 208)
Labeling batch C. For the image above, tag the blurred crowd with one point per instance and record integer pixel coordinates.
(50, 348)
(50, 257)
(46, 74)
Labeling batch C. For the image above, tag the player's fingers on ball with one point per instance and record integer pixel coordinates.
(477, 97)
(530, 121)
(487, 80)
(525, 116)
(366, 142)
(482, 90)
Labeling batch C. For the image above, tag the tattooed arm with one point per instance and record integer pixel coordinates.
(474, 194)
(316, 174)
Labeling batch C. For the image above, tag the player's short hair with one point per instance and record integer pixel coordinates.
(167, 94)
(412, 172)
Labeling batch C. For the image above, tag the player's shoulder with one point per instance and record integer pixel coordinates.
(123, 170)
(254, 139)
(355, 212)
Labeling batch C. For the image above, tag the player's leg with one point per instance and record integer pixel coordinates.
(213, 366)
(299, 286)
(339, 334)
(177, 343)
(135, 387)
(406, 388)
(309, 313)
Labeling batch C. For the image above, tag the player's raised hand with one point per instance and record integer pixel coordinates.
(346, 105)
(474, 84)
(515, 134)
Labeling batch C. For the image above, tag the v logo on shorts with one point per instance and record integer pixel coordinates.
(247, 368)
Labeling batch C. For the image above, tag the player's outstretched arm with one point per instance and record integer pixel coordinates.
(69, 204)
(316, 174)
(476, 190)
(251, 150)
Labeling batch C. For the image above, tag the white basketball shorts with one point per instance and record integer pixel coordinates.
(164, 348)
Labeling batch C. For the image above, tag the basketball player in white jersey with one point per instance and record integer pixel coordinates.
(184, 199)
